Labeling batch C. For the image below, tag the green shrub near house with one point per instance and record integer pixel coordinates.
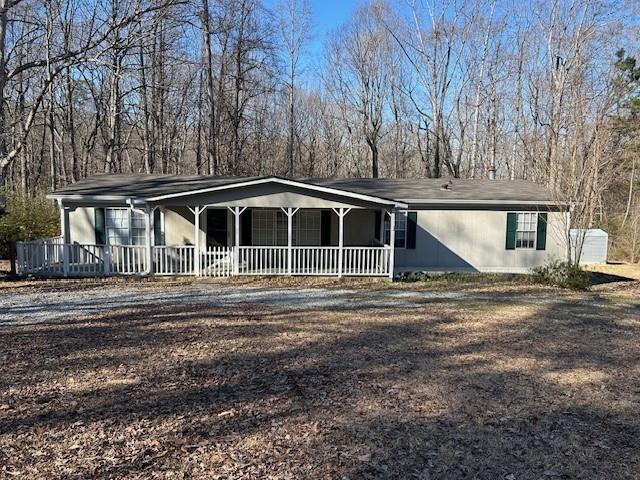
(26, 218)
(562, 274)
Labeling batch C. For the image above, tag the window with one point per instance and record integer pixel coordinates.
(263, 227)
(125, 226)
(526, 224)
(269, 227)
(306, 227)
(401, 230)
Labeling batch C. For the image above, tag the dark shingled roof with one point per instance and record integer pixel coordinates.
(414, 191)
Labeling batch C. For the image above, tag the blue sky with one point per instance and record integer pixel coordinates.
(327, 15)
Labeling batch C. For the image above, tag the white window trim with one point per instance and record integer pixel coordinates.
(387, 221)
(129, 226)
(535, 231)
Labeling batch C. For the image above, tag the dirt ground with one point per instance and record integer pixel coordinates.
(493, 381)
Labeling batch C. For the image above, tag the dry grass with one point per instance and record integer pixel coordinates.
(626, 270)
(455, 389)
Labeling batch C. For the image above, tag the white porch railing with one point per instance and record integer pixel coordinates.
(216, 262)
(44, 255)
(314, 260)
(366, 261)
(262, 261)
(356, 261)
(51, 257)
(127, 259)
(174, 260)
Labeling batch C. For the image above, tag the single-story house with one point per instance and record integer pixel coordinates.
(206, 225)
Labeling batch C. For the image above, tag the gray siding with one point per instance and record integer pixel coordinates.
(474, 240)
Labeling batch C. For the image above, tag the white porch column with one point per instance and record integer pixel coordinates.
(196, 238)
(64, 231)
(148, 214)
(64, 222)
(237, 211)
(236, 254)
(196, 253)
(289, 212)
(107, 253)
(341, 212)
(392, 242)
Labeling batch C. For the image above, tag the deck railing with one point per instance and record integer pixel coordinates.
(262, 261)
(216, 262)
(50, 257)
(174, 260)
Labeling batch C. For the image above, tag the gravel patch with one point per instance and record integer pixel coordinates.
(32, 307)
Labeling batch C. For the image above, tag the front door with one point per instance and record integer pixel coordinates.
(216, 228)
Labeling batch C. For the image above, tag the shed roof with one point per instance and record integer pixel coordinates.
(411, 191)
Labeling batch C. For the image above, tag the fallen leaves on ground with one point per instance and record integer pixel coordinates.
(487, 389)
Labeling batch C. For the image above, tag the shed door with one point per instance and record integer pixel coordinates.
(216, 227)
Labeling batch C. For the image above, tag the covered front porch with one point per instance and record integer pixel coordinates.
(251, 230)
(285, 242)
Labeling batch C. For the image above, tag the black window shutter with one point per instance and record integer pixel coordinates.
(99, 225)
(245, 229)
(541, 236)
(158, 234)
(511, 231)
(325, 228)
(412, 222)
(376, 232)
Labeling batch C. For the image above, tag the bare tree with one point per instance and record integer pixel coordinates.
(295, 30)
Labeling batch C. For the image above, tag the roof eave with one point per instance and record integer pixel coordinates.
(483, 202)
(91, 198)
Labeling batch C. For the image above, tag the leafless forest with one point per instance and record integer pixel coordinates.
(546, 90)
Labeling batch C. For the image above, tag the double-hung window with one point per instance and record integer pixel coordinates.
(125, 226)
(401, 230)
(270, 227)
(306, 227)
(526, 224)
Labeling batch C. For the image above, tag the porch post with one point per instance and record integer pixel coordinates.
(341, 212)
(107, 255)
(148, 219)
(289, 212)
(340, 240)
(64, 222)
(237, 211)
(196, 253)
(392, 243)
(64, 215)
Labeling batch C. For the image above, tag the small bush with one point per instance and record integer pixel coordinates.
(461, 277)
(562, 274)
(27, 218)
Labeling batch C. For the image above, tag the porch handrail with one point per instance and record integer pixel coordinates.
(50, 258)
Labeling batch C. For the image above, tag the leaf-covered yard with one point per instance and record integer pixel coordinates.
(511, 382)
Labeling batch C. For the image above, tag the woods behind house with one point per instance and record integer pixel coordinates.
(547, 91)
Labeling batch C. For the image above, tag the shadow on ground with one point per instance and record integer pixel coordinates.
(451, 389)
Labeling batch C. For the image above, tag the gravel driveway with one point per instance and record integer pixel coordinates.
(36, 307)
(31, 306)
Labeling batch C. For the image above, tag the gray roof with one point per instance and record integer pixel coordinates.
(415, 191)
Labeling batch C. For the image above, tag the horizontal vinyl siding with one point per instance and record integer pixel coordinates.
(474, 240)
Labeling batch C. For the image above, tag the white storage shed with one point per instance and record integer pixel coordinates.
(594, 247)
